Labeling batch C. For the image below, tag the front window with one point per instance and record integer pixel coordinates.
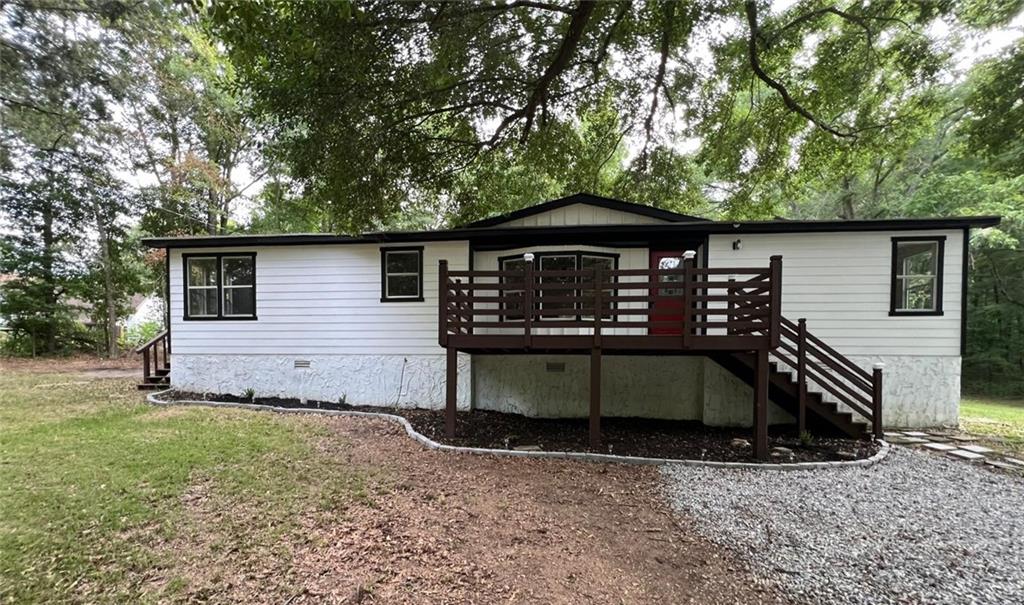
(202, 287)
(590, 262)
(558, 285)
(401, 274)
(220, 286)
(917, 276)
(512, 308)
(239, 286)
(670, 262)
(552, 300)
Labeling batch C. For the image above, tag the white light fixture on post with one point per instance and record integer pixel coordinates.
(689, 255)
(528, 257)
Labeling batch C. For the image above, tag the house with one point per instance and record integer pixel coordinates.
(587, 306)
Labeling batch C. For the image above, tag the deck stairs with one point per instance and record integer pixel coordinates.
(839, 397)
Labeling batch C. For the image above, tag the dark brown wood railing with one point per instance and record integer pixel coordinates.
(156, 357)
(683, 308)
(832, 372)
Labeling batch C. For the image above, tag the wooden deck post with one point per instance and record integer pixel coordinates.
(876, 400)
(761, 405)
(775, 273)
(801, 374)
(595, 397)
(442, 303)
(528, 292)
(451, 389)
(687, 316)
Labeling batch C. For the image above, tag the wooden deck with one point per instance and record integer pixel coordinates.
(685, 310)
(682, 310)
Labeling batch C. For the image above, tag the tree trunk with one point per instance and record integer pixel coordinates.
(109, 297)
(846, 200)
(49, 334)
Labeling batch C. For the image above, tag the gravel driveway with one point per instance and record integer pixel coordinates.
(913, 529)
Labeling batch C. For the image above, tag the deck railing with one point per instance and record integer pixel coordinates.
(832, 372)
(682, 308)
(155, 357)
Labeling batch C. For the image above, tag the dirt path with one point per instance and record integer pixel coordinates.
(451, 528)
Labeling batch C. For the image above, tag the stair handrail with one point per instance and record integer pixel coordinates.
(149, 343)
(816, 361)
(150, 349)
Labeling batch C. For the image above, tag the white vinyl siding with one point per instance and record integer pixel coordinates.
(580, 214)
(319, 300)
(840, 282)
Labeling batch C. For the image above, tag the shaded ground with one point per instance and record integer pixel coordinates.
(107, 499)
(674, 439)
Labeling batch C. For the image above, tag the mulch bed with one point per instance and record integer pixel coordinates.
(674, 439)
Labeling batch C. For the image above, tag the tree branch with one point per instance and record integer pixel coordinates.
(487, 8)
(750, 7)
(577, 25)
(659, 79)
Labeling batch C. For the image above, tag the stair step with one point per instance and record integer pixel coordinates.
(784, 389)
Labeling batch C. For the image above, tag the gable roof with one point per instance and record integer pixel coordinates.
(590, 200)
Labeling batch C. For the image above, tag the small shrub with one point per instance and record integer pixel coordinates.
(806, 439)
(343, 399)
(249, 394)
(139, 334)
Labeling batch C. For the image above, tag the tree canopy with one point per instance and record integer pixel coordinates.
(122, 118)
(371, 100)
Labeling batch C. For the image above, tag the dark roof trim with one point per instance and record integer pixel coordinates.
(620, 231)
(226, 241)
(590, 200)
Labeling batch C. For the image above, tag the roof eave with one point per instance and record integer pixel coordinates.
(646, 229)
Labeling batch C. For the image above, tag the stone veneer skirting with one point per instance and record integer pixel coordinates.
(918, 391)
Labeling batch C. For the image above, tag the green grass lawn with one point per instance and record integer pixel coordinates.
(96, 487)
(1001, 420)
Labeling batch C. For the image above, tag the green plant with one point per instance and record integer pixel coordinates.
(139, 334)
(343, 399)
(806, 439)
(249, 394)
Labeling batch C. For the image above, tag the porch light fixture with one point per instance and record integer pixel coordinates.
(528, 257)
(737, 244)
(689, 255)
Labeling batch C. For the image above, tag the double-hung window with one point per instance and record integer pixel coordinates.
(916, 276)
(591, 262)
(551, 299)
(513, 306)
(220, 286)
(558, 286)
(401, 274)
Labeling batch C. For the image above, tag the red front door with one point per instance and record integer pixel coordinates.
(668, 304)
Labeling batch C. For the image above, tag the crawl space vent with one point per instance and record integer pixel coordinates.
(301, 363)
(556, 366)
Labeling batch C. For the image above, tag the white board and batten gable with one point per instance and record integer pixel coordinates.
(584, 209)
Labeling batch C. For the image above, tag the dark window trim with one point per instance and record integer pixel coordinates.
(219, 256)
(384, 298)
(579, 254)
(939, 277)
